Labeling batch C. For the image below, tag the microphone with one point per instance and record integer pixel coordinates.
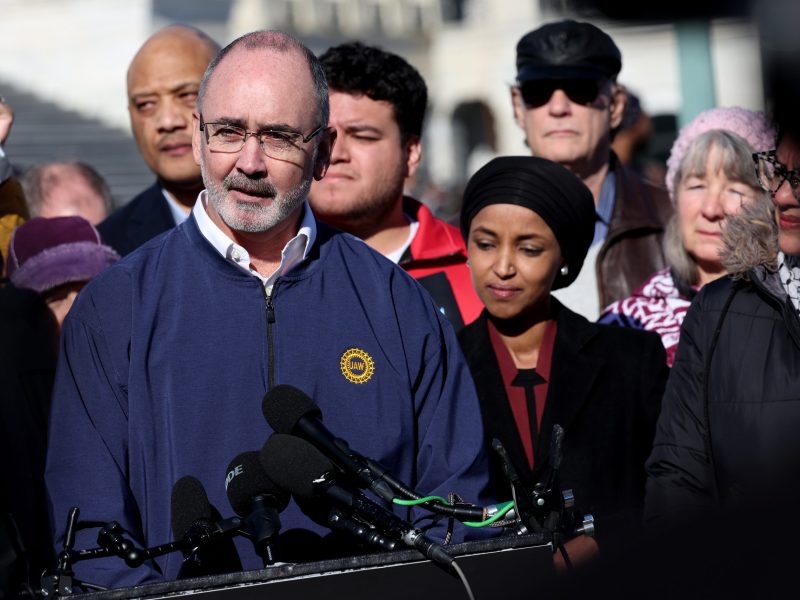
(289, 410)
(321, 513)
(258, 500)
(296, 466)
(211, 551)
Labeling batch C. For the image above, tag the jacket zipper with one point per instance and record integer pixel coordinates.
(270, 347)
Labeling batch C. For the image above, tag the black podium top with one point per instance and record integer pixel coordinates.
(514, 566)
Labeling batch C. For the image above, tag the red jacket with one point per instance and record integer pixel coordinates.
(437, 259)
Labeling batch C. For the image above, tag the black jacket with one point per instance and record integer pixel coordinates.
(28, 351)
(605, 390)
(141, 219)
(729, 432)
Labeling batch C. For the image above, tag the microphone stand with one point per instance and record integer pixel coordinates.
(62, 582)
(544, 508)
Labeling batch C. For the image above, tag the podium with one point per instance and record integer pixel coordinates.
(509, 567)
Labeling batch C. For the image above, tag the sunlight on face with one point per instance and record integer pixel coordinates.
(703, 201)
(514, 258)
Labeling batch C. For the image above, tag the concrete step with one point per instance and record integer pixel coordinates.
(44, 132)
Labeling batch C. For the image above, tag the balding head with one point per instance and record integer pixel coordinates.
(63, 189)
(175, 39)
(163, 81)
(279, 42)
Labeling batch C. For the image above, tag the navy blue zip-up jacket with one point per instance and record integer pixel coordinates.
(167, 355)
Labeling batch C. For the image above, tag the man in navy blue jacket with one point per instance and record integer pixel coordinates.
(167, 355)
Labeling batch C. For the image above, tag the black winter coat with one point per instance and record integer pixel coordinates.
(729, 431)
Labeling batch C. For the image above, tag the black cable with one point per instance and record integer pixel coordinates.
(563, 550)
(462, 513)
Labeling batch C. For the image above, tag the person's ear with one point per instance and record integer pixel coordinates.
(619, 98)
(324, 152)
(518, 105)
(413, 152)
(196, 139)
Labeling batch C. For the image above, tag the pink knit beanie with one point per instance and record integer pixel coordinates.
(751, 125)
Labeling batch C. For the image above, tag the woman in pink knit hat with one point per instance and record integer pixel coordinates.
(710, 175)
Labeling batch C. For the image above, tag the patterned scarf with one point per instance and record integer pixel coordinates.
(789, 270)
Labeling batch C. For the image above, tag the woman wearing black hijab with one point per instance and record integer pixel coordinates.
(528, 223)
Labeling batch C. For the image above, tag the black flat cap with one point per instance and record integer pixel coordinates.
(567, 50)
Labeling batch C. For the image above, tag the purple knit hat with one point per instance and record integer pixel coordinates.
(46, 253)
(751, 125)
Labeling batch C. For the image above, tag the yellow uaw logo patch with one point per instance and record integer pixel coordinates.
(357, 366)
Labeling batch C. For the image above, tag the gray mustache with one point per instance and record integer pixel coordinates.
(259, 187)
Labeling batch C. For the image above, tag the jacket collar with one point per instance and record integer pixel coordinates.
(633, 205)
(435, 239)
(151, 216)
(314, 255)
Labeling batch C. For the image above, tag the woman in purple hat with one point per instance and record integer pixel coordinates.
(56, 257)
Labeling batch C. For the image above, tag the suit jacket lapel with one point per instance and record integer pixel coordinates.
(150, 217)
(572, 377)
(498, 419)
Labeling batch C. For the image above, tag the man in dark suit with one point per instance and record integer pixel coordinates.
(163, 81)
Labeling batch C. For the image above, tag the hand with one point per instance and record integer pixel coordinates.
(581, 550)
(6, 120)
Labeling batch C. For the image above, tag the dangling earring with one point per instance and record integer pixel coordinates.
(564, 271)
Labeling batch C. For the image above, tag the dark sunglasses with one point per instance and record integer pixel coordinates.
(538, 92)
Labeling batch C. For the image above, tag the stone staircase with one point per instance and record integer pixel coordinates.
(44, 132)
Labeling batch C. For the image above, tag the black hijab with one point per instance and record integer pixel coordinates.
(548, 189)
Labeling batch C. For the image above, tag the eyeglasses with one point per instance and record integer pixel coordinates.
(772, 173)
(537, 92)
(275, 143)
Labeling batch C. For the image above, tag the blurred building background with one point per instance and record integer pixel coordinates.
(64, 62)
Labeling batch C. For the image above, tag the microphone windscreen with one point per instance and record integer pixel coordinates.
(284, 405)
(189, 505)
(246, 479)
(294, 464)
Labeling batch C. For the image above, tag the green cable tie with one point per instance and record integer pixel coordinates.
(494, 518)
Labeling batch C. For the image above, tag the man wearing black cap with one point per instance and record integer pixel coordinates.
(568, 102)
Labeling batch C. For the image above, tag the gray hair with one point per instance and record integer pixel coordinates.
(280, 42)
(38, 180)
(734, 159)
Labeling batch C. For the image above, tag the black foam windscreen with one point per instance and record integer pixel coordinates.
(246, 479)
(294, 464)
(189, 505)
(284, 405)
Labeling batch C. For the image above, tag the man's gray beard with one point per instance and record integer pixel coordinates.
(250, 217)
